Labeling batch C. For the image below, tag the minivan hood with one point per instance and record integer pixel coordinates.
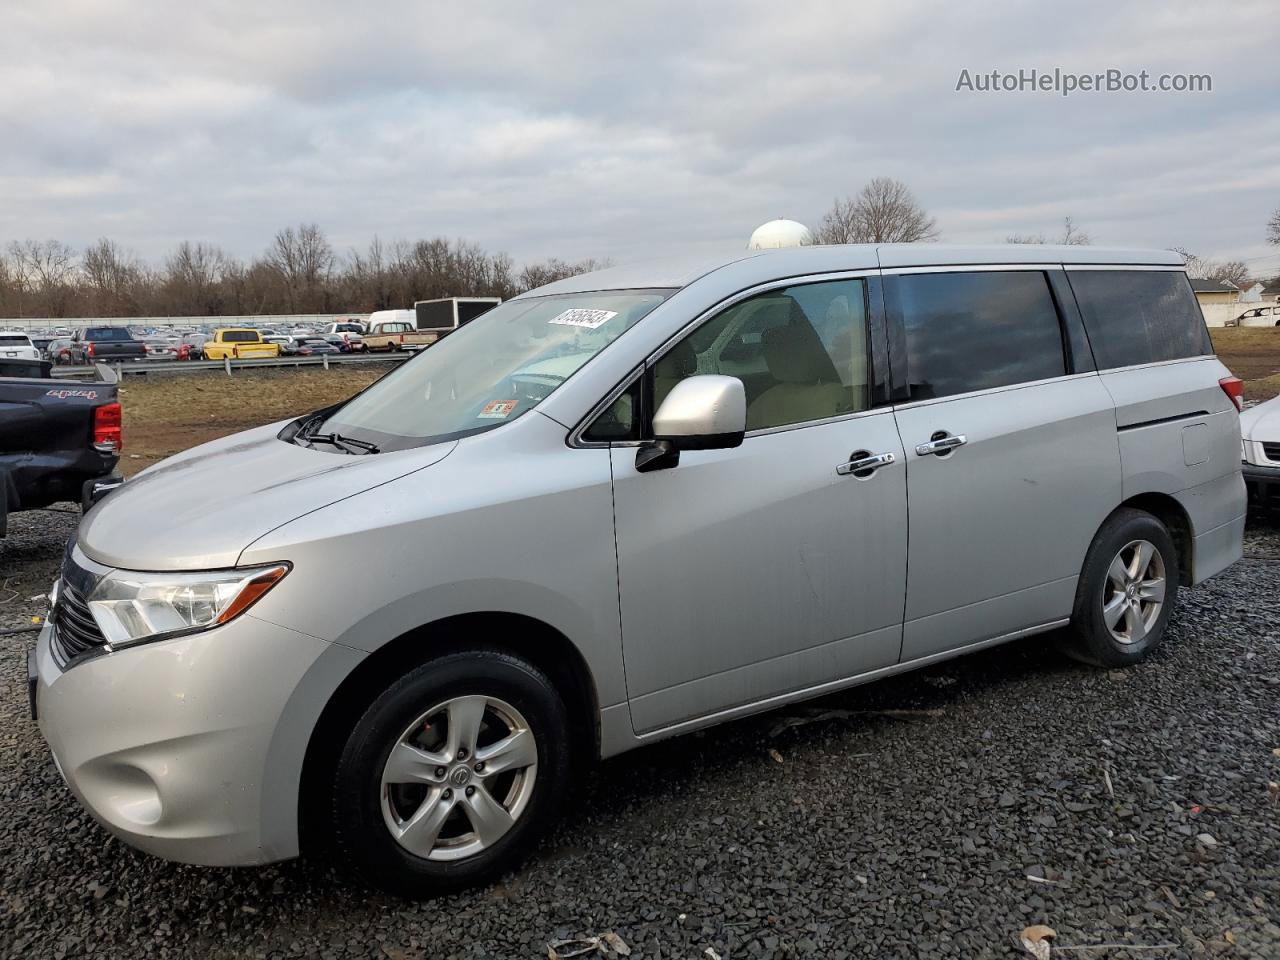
(1262, 422)
(200, 509)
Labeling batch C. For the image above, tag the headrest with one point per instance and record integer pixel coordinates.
(794, 354)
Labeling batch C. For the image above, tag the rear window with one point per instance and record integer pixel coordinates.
(976, 331)
(107, 333)
(1140, 316)
(15, 338)
(240, 336)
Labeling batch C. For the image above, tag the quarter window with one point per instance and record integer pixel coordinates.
(1140, 316)
(979, 330)
(800, 352)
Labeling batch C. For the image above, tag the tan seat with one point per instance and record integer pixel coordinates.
(808, 387)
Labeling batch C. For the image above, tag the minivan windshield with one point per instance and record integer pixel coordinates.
(490, 371)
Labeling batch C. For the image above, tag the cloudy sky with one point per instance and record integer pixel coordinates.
(574, 130)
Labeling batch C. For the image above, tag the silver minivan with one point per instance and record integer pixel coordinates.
(625, 506)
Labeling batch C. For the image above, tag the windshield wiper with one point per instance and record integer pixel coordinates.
(338, 440)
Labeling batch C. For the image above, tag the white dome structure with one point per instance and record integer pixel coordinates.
(779, 233)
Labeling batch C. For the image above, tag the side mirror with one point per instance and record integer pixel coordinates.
(706, 412)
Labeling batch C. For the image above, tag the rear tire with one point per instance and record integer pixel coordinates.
(1126, 593)
(414, 807)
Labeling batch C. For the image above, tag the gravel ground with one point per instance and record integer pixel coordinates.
(931, 815)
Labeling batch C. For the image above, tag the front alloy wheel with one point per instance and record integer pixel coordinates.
(451, 774)
(459, 778)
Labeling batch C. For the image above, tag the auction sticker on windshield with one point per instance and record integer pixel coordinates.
(584, 318)
(496, 410)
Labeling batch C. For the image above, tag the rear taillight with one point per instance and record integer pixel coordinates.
(107, 433)
(89, 349)
(1233, 387)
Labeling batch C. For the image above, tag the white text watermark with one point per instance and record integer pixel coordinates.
(1065, 82)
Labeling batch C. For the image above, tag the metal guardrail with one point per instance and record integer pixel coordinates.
(229, 365)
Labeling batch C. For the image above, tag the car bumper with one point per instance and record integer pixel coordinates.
(191, 749)
(1263, 484)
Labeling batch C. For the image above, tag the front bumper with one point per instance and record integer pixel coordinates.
(191, 749)
(1263, 484)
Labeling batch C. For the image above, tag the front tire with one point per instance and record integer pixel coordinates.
(451, 775)
(1127, 591)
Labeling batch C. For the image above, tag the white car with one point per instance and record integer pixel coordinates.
(16, 345)
(1260, 433)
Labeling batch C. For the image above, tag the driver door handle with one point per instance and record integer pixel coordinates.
(865, 466)
(941, 445)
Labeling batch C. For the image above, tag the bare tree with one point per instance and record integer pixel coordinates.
(1273, 229)
(193, 278)
(1234, 272)
(45, 272)
(884, 211)
(113, 280)
(553, 269)
(303, 258)
(1071, 236)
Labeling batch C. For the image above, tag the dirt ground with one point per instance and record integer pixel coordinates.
(164, 415)
(1253, 355)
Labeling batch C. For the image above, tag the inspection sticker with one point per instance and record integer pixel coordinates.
(584, 318)
(496, 410)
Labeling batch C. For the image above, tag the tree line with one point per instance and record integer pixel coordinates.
(300, 272)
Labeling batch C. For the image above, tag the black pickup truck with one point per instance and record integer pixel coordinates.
(59, 439)
(96, 344)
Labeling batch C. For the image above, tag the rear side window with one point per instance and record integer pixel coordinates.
(1140, 316)
(107, 333)
(976, 331)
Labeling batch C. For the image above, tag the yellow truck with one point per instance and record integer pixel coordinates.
(239, 343)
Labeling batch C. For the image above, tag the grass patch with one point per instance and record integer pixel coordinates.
(164, 415)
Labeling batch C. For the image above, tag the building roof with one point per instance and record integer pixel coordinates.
(1200, 285)
(672, 272)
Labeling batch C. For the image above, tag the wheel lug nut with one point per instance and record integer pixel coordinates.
(439, 771)
(471, 791)
(462, 754)
(448, 794)
(480, 767)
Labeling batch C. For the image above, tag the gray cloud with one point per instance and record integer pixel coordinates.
(580, 130)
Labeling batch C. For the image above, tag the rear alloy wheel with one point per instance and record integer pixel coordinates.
(452, 774)
(1126, 592)
(1133, 596)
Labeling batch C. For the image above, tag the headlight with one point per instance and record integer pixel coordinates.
(133, 607)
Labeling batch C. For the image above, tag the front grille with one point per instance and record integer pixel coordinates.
(74, 629)
(1272, 451)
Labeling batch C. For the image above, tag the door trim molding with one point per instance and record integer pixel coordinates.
(832, 686)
